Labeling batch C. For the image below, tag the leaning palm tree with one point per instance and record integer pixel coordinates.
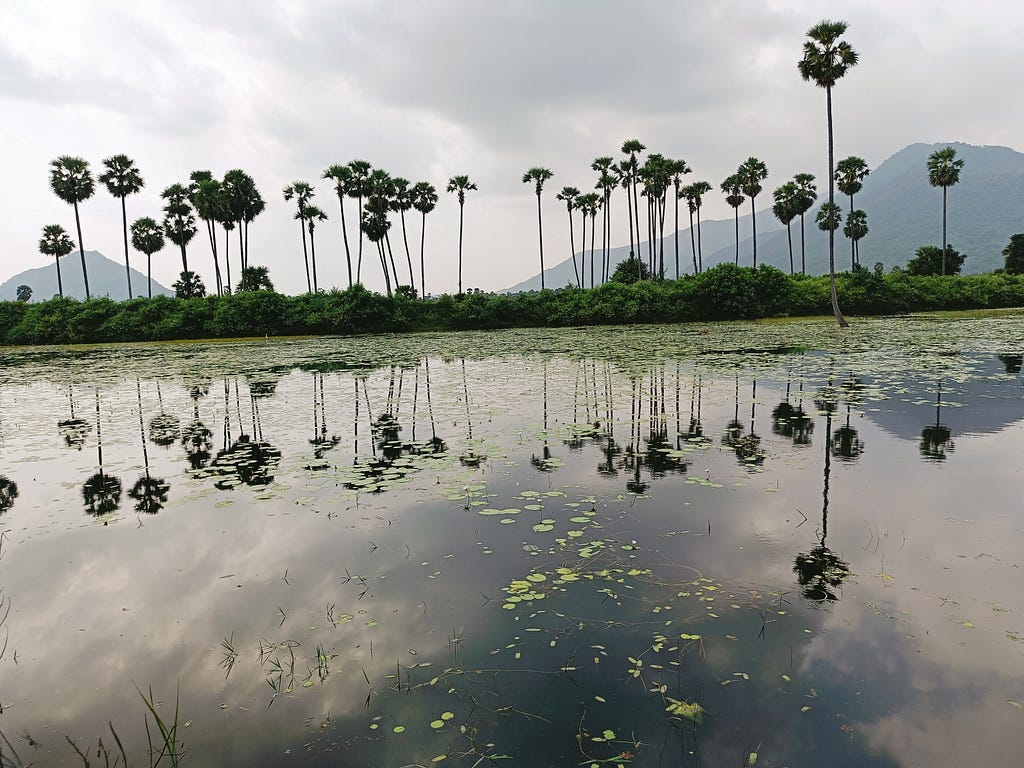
(850, 174)
(785, 211)
(57, 243)
(733, 191)
(568, 196)
(302, 192)
(750, 174)
(537, 176)
(313, 215)
(341, 175)
(826, 59)
(147, 238)
(944, 171)
(460, 185)
(71, 180)
(424, 198)
(122, 178)
(807, 194)
(856, 228)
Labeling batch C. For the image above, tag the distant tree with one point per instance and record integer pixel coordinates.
(537, 176)
(460, 185)
(695, 198)
(313, 216)
(23, 293)
(341, 175)
(785, 210)
(122, 178)
(850, 174)
(856, 228)
(568, 196)
(829, 217)
(807, 195)
(302, 192)
(733, 191)
(57, 243)
(189, 286)
(944, 171)
(826, 58)
(1014, 254)
(255, 279)
(71, 180)
(147, 238)
(179, 224)
(928, 260)
(424, 199)
(631, 270)
(750, 174)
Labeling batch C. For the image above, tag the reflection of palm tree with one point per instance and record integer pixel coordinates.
(8, 493)
(73, 430)
(164, 428)
(543, 462)
(196, 437)
(936, 439)
(746, 447)
(149, 493)
(846, 444)
(247, 460)
(101, 492)
(321, 442)
(1013, 363)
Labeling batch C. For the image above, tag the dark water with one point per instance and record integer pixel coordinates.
(708, 546)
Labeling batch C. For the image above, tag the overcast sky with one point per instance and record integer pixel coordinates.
(427, 90)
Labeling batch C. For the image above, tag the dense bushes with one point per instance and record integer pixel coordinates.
(725, 292)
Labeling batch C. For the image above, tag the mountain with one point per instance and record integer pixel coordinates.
(904, 212)
(106, 278)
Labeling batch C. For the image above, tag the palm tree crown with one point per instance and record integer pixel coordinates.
(57, 243)
(826, 58)
(944, 168)
(850, 174)
(121, 178)
(71, 180)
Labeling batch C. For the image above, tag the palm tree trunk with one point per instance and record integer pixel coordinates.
(124, 224)
(211, 231)
(184, 258)
(736, 212)
(540, 235)
(384, 266)
(789, 236)
(149, 274)
(676, 188)
(583, 251)
(305, 255)
(636, 211)
(693, 243)
(461, 209)
(241, 249)
(832, 233)
(943, 229)
(661, 236)
(423, 238)
(803, 248)
(753, 228)
(700, 250)
(629, 218)
(408, 257)
(593, 218)
(344, 237)
(391, 258)
(60, 285)
(245, 250)
(81, 251)
(606, 237)
(227, 257)
(572, 247)
(359, 260)
(853, 247)
(312, 248)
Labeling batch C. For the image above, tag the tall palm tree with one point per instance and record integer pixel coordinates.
(341, 175)
(733, 192)
(380, 189)
(537, 176)
(122, 178)
(856, 228)
(631, 148)
(826, 58)
(57, 243)
(360, 173)
(376, 225)
(751, 173)
(71, 180)
(944, 171)
(402, 202)
(424, 199)
(302, 192)
(850, 174)
(698, 189)
(677, 169)
(691, 206)
(589, 205)
(568, 196)
(179, 224)
(147, 238)
(245, 204)
(607, 181)
(207, 199)
(785, 211)
(807, 194)
(829, 218)
(460, 185)
(313, 216)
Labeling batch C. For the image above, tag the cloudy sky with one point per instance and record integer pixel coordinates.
(428, 90)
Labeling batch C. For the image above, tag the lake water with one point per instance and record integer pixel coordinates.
(720, 545)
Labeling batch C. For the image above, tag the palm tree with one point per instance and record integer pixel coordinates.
(807, 194)
(245, 204)
(376, 226)
(691, 206)
(697, 190)
(856, 228)
(750, 175)
(380, 191)
(629, 167)
(342, 177)
(206, 197)
(122, 178)
(829, 218)
(607, 181)
(302, 192)
(460, 185)
(312, 216)
(850, 174)
(589, 205)
(826, 59)
(424, 198)
(179, 223)
(538, 176)
(401, 201)
(677, 169)
(568, 195)
(147, 238)
(944, 171)
(785, 211)
(71, 180)
(57, 243)
(360, 173)
(733, 192)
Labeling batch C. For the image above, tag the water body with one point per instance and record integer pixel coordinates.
(718, 545)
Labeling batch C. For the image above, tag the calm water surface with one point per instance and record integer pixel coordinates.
(665, 546)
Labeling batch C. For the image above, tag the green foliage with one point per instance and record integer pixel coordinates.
(1014, 255)
(928, 261)
(630, 271)
(255, 279)
(24, 292)
(188, 285)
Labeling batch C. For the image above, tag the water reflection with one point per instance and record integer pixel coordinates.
(74, 430)
(196, 437)
(8, 493)
(165, 428)
(936, 439)
(101, 492)
(246, 459)
(149, 493)
(1012, 363)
